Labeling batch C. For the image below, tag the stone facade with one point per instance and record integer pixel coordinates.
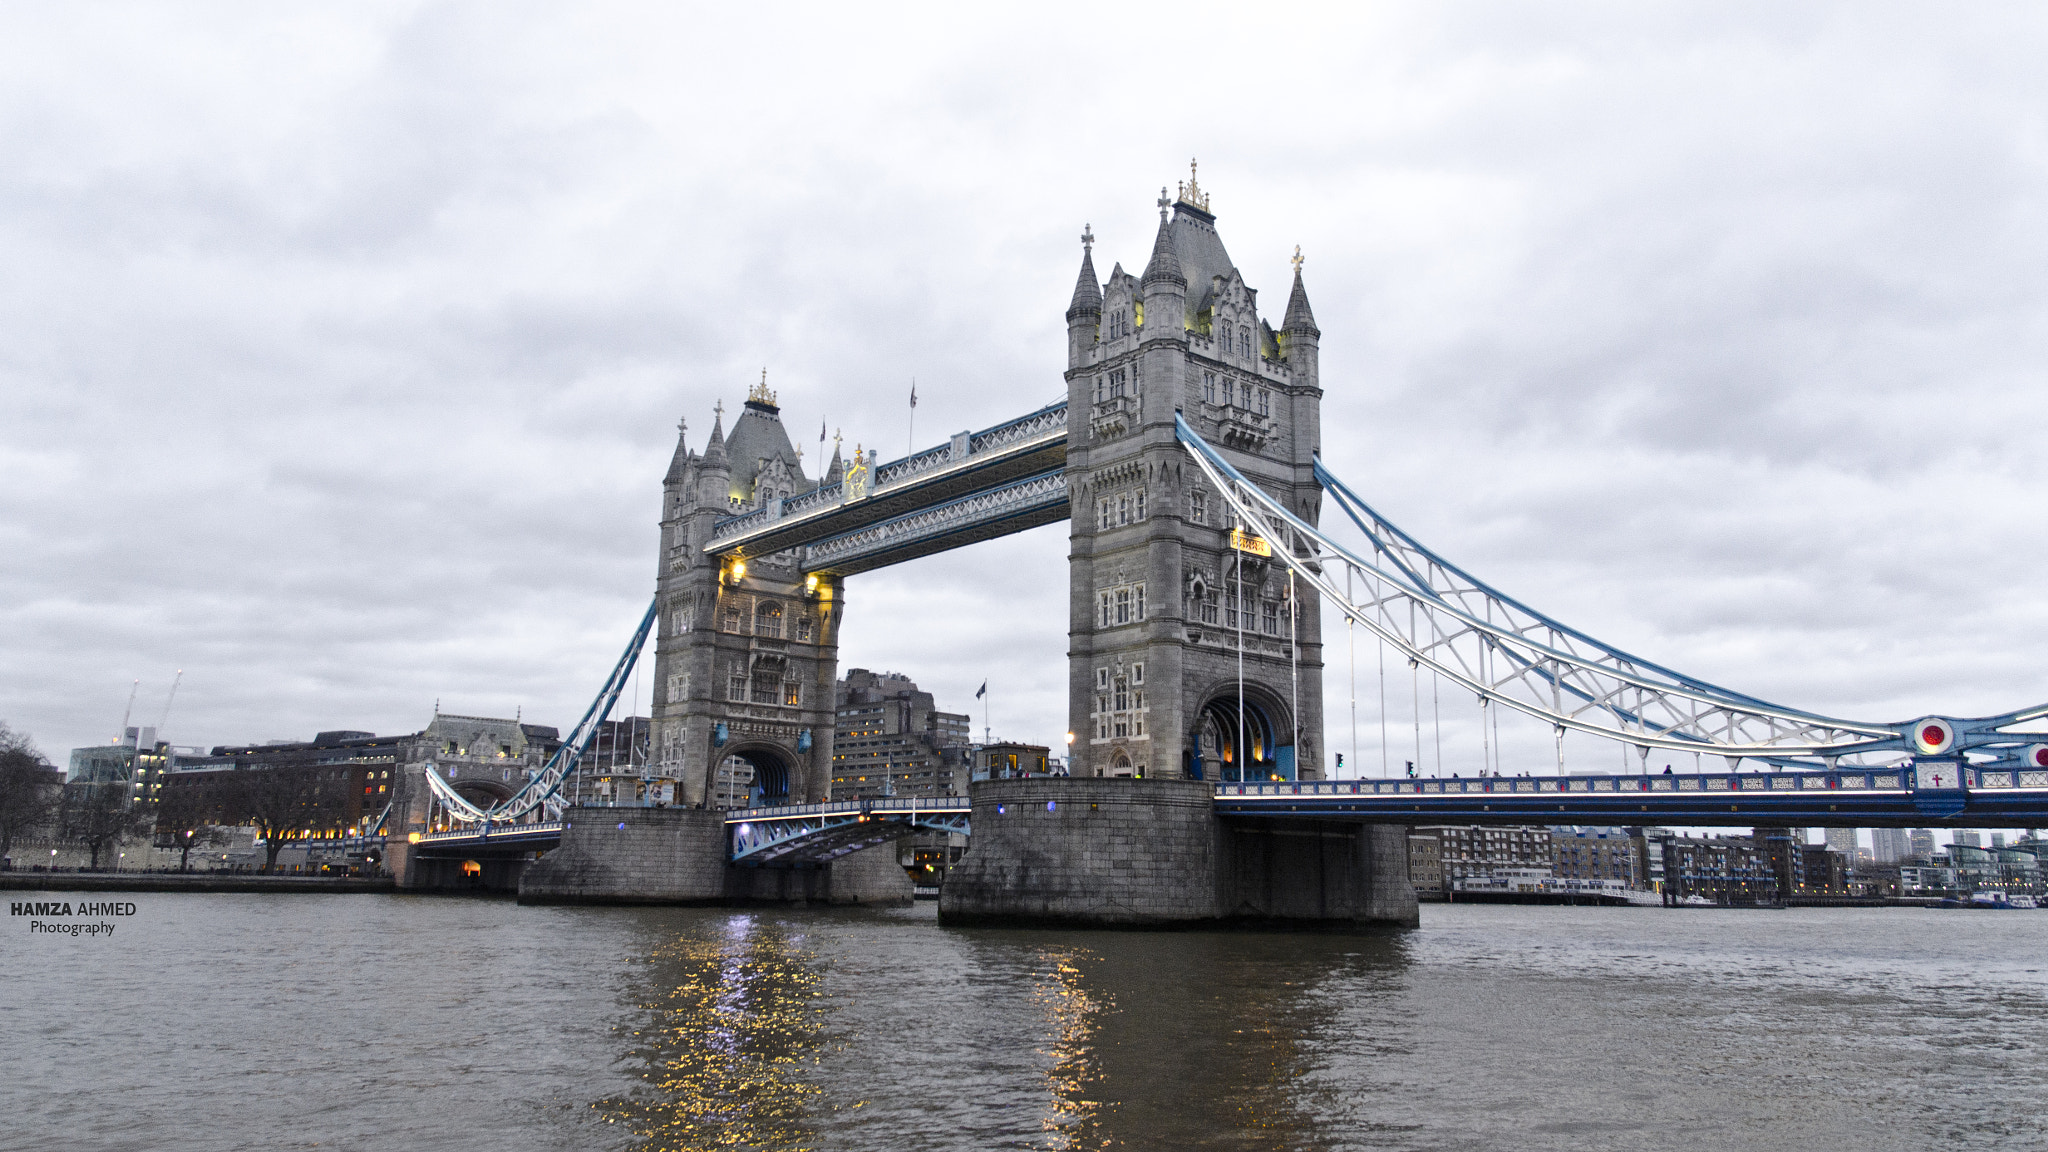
(746, 651)
(678, 856)
(1162, 603)
(1153, 853)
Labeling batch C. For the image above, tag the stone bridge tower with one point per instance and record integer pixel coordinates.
(1174, 618)
(746, 652)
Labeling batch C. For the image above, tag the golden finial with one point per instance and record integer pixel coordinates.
(1191, 192)
(1297, 260)
(759, 393)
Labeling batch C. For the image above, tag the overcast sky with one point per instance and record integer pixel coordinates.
(341, 349)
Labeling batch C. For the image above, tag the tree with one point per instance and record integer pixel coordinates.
(99, 814)
(27, 792)
(282, 800)
(186, 814)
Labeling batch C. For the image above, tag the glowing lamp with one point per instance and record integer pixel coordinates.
(412, 838)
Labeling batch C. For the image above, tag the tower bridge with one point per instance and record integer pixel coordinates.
(1186, 458)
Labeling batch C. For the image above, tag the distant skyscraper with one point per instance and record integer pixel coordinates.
(1998, 839)
(1889, 845)
(1968, 839)
(1842, 840)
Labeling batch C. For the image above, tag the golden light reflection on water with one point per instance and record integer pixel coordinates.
(727, 1044)
(1072, 1074)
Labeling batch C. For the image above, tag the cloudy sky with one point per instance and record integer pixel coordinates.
(342, 349)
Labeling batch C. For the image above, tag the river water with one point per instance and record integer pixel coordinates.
(375, 1022)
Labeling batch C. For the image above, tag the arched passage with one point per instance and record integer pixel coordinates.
(773, 772)
(1230, 747)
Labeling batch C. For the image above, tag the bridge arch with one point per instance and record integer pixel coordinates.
(775, 773)
(1213, 751)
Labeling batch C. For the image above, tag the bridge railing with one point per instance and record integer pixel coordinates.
(1890, 779)
(881, 805)
(495, 832)
(1049, 419)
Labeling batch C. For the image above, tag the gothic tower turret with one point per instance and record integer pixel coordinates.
(746, 649)
(1190, 651)
(1084, 315)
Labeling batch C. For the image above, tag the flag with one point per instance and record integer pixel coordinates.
(821, 433)
(983, 690)
(913, 393)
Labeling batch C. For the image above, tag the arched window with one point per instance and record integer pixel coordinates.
(1244, 342)
(768, 619)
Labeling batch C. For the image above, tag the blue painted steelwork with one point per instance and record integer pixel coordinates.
(544, 790)
(1030, 446)
(484, 839)
(1910, 795)
(816, 833)
(1506, 653)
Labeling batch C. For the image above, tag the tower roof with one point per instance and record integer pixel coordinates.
(680, 463)
(1087, 290)
(1165, 263)
(714, 449)
(756, 436)
(1299, 317)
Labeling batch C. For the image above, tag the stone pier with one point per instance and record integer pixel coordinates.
(678, 856)
(1110, 852)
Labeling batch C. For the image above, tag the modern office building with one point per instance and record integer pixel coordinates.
(890, 739)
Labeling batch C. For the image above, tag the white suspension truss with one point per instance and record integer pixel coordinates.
(544, 790)
(1508, 654)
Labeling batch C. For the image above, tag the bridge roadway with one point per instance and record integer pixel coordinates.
(1910, 796)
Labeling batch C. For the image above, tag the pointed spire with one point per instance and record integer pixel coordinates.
(714, 450)
(1087, 290)
(680, 465)
(1165, 263)
(836, 471)
(1299, 318)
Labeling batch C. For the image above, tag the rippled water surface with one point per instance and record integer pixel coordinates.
(372, 1022)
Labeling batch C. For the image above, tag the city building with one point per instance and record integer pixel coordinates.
(1718, 869)
(1966, 838)
(1889, 845)
(615, 769)
(1005, 761)
(1842, 840)
(1922, 842)
(1475, 853)
(1426, 864)
(890, 739)
(1590, 853)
